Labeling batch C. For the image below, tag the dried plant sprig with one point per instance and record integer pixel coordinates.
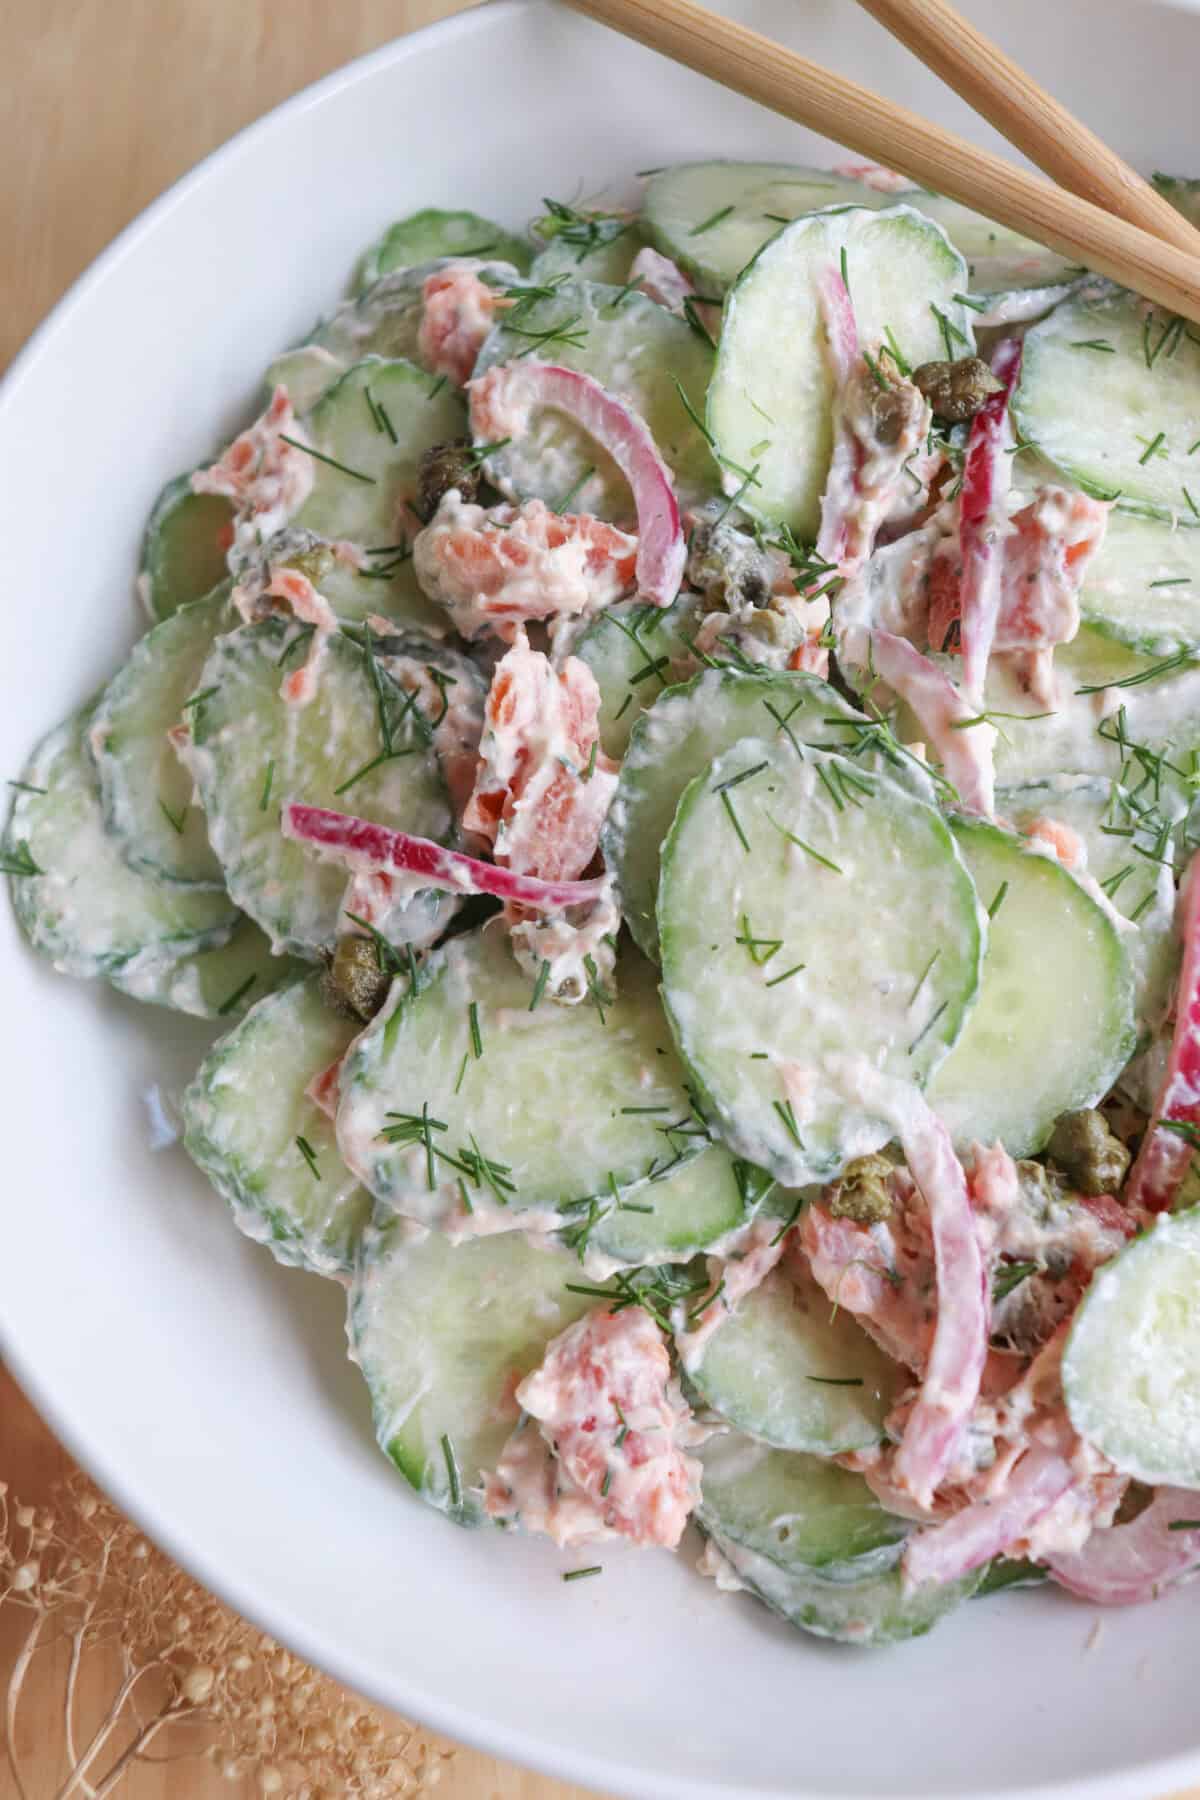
(84, 1575)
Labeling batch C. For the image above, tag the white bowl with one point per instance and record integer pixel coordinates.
(206, 1388)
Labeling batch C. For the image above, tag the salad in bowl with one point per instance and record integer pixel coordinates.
(667, 753)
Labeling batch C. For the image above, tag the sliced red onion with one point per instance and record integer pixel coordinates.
(509, 391)
(987, 473)
(1125, 1564)
(987, 1527)
(950, 1385)
(1163, 1159)
(365, 847)
(942, 712)
(841, 336)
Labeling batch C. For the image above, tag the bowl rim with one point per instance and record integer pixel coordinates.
(454, 1720)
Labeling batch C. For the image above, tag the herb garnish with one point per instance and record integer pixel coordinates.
(320, 456)
(807, 848)
(227, 1006)
(578, 1574)
(19, 861)
(174, 820)
(451, 1470)
(265, 796)
(539, 986)
(310, 1156)
(722, 212)
(1009, 1276)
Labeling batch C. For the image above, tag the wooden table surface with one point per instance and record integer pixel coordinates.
(101, 108)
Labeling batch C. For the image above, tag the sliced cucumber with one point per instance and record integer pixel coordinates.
(685, 217)
(1143, 588)
(1140, 886)
(266, 1147)
(443, 1336)
(384, 321)
(252, 752)
(788, 1372)
(608, 261)
(624, 648)
(712, 218)
(386, 585)
(1003, 1574)
(1054, 1023)
(1131, 1370)
(1183, 191)
(639, 351)
(183, 550)
(798, 935)
(770, 406)
(680, 736)
(999, 261)
(145, 789)
(222, 983)
(1082, 734)
(689, 1208)
(421, 237)
(867, 1613)
(362, 499)
(799, 1511)
(1119, 421)
(82, 905)
(587, 1134)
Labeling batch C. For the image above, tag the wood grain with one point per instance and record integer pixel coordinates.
(101, 108)
(1030, 118)
(888, 133)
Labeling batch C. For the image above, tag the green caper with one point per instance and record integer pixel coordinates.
(1089, 1155)
(861, 1192)
(354, 983)
(453, 464)
(956, 390)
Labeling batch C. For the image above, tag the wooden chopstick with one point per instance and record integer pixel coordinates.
(839, 109)
(1009, 98)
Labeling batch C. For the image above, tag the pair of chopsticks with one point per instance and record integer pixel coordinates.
(1103, 215)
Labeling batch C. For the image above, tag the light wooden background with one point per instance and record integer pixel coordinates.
(103, 103)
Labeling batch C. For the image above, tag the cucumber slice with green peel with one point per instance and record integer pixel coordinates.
(375, 424)
(75, 897)
(677, 739)
(443, 1335)
(1121, 420)
(801, 933)
(560, 1160)
(1143, 586)
(624, 647)
(1082, 733)
(712, 218)
(1054, 1023)
(222, 983)
(385, 321)
(609, 261)
(1131, 1369)
(1003, 1574)
(184, 547)
(268, 1149)
(770, 405)
(430, 234)
(1140, 886)
(867, 1613)
(999, 261)
(637, 350)
(692, 1207)
(788, 1372)
(801, 1512)
(252, 752)
(145, 790)
(1183, 191)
